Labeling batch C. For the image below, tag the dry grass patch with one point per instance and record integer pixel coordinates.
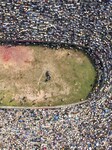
(23, 81)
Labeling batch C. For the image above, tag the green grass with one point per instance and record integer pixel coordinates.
(71, 78)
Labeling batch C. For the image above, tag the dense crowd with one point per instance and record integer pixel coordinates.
(85, 126)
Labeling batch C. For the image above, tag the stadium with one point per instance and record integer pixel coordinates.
(85, 26)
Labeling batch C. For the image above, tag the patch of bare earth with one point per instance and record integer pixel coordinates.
(16, 57)
(62, 53)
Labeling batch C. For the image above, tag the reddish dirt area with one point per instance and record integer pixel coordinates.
(15, 56)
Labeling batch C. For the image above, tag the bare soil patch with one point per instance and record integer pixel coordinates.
(18, 57)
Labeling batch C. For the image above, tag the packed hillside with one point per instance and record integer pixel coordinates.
(84, 126)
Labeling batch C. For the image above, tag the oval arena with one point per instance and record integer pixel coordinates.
(86, 25)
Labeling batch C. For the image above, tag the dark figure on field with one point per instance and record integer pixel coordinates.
(48, 77)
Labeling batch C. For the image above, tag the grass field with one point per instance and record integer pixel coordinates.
(22, 77)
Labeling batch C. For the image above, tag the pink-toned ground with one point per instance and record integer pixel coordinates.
(16, 56)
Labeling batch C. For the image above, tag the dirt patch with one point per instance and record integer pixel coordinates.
(62, 53)
(68, 54)
(18, 57)
(79, 60)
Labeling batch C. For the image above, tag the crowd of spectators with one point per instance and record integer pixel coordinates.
(85, 126)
